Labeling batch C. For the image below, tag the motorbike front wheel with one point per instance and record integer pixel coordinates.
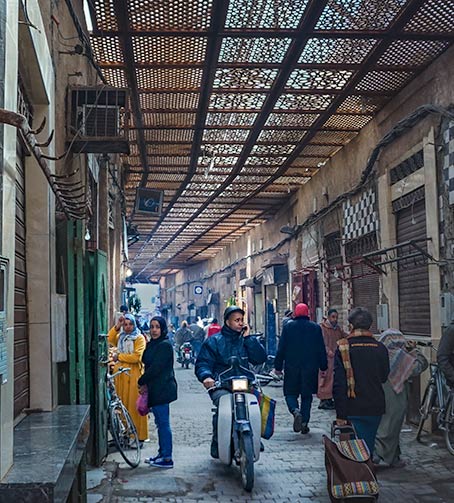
(247, 461)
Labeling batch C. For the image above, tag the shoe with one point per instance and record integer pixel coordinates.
(162, 463)
(399, 463)
(305, 429)
(262, 447)
(214, 451)
(297, 421)
(152, 459)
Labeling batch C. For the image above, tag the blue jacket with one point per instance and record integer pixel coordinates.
(301, 353)
(214, 355)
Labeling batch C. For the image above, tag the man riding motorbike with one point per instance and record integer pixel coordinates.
(232, 340)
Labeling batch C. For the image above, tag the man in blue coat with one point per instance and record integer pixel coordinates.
(301, 353)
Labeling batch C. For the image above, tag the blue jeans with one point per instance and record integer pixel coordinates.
(162, 420)
(306, 402)
(366, 428)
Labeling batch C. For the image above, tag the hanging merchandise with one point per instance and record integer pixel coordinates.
(134, 304)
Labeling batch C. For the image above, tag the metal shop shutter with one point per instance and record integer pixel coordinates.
(282, 303)
(21, 343)
(335, 288)
(413, 279)
(365, 292)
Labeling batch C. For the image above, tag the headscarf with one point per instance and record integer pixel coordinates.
(162, 323)
(126, 341)
(401, 362)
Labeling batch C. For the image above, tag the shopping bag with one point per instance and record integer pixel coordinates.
(267, 411)
(349, 469)
(142, 404)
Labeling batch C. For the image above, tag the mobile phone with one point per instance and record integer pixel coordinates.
(245, 327)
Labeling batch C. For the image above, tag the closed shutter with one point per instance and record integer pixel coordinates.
(21, 345)
(413, 284)
(365, 291)
(335, 288)
(282, 304)
(413, 278)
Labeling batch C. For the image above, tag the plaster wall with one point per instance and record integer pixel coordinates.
(8, 229)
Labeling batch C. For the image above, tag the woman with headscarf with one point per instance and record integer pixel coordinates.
(130, 345)
(159, 382)
(405, 362)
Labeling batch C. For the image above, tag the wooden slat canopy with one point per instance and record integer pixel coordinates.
(237, 103)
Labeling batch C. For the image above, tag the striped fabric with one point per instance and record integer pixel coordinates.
(355, 489)
(356, 449)
(267, 411)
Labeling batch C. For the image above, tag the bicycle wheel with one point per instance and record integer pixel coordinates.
(124, 434)
(449, 425)
(247, 461)
(426, 407)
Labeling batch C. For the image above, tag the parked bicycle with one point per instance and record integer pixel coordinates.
(437, 399)
(120, 424)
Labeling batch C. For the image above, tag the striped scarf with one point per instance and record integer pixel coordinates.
(344, 349)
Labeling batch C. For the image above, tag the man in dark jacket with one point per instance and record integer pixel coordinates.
(198, 335)
(301, 353)
(361, 367)
(445, 354)
(232, 340)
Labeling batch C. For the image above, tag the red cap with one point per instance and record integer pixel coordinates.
(301, 310)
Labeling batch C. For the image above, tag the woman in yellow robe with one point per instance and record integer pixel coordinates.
(130, 344)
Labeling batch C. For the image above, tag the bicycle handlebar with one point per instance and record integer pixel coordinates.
(119, 371)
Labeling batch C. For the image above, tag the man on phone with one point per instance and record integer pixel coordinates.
(232, 340)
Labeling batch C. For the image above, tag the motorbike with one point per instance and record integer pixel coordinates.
(239, 421)
(186, 356)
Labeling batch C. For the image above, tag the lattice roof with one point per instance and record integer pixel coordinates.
(237, 103)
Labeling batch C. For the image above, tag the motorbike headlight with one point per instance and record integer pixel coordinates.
(239, 384)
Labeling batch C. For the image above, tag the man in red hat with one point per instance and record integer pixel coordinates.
(301, 354)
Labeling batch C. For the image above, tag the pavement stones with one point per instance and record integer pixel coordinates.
(290, 470)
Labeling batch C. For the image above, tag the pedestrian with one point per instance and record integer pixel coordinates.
(198, 336)
(301, 353)
(361, 367)
(288, 316)
(213, 328)
(332, 332)
(171, 334)
(233, 340)
(159, 381)
(130, 345)
(405, 363)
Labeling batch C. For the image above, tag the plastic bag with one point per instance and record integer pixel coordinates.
(142, 403)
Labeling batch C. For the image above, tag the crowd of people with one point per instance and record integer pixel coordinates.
(364, 378)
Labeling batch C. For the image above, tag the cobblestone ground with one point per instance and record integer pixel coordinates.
(290, 469)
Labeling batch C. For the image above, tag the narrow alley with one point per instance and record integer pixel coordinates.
(290, 470)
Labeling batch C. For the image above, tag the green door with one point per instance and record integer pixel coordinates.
(96, 309)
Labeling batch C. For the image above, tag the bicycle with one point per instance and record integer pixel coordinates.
(437, 399)
(120, 424)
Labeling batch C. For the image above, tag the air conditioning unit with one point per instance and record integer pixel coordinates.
(382, 317)
(98, 120)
